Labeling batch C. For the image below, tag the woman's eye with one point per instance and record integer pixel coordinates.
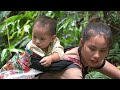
(103, 50)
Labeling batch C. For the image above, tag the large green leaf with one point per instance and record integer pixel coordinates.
(14, 18)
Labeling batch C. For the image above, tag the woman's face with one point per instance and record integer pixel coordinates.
(41, 36)
(94, 51)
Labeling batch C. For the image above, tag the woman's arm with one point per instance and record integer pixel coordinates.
(110, 70)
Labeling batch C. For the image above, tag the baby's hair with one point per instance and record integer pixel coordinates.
(44, 20)
(97, 28)
(94, 19)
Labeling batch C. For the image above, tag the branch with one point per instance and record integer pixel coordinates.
(114, 27)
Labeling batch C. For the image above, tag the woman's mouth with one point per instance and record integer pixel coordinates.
(94, 61)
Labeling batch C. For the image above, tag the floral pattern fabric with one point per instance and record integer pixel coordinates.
(18, 67)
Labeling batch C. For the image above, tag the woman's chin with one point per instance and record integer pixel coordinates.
(93, 65)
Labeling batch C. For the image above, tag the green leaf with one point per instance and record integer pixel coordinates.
(13, 34)
(26, 28)
(118, 67)
(3, 54)
(116, 46)
(67, 22)
(16, 50)
(13, 18)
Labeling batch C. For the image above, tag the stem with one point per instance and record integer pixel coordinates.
(8, 37)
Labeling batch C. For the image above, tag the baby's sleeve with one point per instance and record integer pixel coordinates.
(58, 48)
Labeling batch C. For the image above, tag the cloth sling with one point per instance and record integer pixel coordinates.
(55, 66)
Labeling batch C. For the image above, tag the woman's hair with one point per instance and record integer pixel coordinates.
(97, 28)
(52, 24)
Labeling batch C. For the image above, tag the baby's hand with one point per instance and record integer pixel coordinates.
(46, 61)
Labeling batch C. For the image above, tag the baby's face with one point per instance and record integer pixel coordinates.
(41, 36)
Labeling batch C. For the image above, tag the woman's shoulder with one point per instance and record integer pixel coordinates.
(72, 51)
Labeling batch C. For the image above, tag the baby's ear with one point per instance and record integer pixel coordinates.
(53, 37)
(81, 42)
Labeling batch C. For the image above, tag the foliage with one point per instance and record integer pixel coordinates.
(96, 75)
(114, 53)
(16, 33)
(3, 14)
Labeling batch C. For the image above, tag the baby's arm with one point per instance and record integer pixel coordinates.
(56, 54)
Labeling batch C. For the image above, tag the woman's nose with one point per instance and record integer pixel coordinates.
(96, 55)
